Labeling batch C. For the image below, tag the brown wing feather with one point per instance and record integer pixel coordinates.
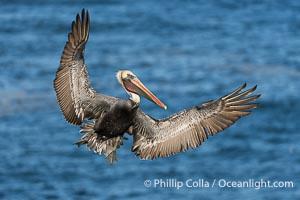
(189, 128)
(74, 48)
(76, 97)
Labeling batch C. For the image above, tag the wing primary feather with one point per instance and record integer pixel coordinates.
(79, 26)
(234, 92)
(236, 97)
(243, 101)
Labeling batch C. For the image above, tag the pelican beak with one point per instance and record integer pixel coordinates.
(133, 84)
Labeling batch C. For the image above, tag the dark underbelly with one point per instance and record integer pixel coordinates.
(117, 120)
(113, 125)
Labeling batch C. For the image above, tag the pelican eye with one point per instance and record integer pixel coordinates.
(130, 76)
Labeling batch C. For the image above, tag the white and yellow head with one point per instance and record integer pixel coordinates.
(134, 87)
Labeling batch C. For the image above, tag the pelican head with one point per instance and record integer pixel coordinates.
(134, 87)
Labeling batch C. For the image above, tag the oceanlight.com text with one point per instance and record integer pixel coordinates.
(220, 183)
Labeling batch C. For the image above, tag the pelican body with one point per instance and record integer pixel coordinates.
(104, 119)
(122, 114)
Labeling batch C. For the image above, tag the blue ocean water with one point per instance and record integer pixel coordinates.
(186, 52)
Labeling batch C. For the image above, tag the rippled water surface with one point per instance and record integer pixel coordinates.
(187, 52)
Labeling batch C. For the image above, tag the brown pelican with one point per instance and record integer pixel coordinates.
(113, 117)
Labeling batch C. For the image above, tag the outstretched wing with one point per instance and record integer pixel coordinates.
(76, 97)
(189, 128)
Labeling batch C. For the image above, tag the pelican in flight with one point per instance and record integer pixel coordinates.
(104, 119)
